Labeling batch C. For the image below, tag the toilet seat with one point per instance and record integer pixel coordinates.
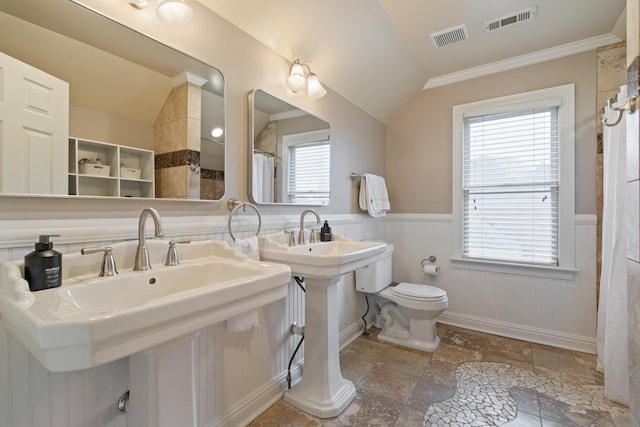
(416, 292)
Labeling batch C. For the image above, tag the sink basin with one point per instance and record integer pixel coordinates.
(321, 259)
(92, 320)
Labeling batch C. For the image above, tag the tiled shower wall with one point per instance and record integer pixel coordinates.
(243, 373)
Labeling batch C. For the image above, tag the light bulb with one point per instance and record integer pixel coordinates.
(314, 88)
(296, 80)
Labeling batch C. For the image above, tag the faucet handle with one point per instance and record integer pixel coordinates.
(108, 267)
(292, 239)
(313, 235)
(172, 253)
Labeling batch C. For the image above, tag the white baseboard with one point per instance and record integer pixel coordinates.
(521, 332)
(261, 399)
(350, 333)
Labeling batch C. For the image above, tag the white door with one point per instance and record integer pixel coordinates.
(34, 130)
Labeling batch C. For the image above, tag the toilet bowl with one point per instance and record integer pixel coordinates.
(408, 310)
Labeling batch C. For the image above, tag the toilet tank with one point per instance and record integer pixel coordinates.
(377, 276)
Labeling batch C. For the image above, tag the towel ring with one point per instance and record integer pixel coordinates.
(237, 205)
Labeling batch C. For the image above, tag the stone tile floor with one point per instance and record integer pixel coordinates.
(473, 379)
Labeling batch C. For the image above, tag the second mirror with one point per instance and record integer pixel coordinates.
(290, 153)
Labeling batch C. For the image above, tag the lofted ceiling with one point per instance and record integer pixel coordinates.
(378, 54)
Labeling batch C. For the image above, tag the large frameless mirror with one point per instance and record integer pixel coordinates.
(289, 153)
(144, 120)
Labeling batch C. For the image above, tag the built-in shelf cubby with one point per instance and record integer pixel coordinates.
(103, 169)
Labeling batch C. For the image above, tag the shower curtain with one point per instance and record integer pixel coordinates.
(263, 178)
(612, 344)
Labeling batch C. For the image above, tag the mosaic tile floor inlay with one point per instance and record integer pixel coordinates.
(482, 395)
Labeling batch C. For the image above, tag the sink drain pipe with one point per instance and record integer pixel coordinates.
(295, 329)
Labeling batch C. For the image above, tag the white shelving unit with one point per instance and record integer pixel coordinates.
(125, 171)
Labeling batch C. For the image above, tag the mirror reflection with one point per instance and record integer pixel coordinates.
(142, 119)
(290, 153)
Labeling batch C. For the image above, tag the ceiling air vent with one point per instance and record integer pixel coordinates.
(450, 35)
(514, 18)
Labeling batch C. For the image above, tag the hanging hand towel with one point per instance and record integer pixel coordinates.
(373, 195)
(245, 321)
(249, 247)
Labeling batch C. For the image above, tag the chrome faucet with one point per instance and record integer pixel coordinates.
(304, 212)
(142, 252)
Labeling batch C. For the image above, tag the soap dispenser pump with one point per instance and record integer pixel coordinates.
(43, 267)
(325, 232)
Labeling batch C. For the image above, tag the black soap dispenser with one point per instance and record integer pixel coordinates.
(43, 267)
(325, 232)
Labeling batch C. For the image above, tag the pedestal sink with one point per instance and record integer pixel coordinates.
(322, 391)
(153, 316)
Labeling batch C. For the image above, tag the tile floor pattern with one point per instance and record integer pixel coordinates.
(523, 384)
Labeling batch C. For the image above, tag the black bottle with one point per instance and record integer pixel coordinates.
(325, 233)
(43, 267)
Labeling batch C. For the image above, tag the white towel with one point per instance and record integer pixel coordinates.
(245, 321)
(249, 247)
(373, 195)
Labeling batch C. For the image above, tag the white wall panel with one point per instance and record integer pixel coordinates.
(552, 311)
(241, 373)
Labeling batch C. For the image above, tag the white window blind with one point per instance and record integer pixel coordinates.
(510, 186)
(309, 170)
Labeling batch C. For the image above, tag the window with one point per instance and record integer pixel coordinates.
(513, 180)
(308, 168)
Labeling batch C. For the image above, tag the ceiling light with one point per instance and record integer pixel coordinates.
(174, 11)
(216, 132)
(301, 78)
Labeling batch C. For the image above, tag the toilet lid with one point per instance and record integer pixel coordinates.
(419, 292)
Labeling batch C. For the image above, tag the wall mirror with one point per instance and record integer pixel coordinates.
(154, 115)
(290, 153)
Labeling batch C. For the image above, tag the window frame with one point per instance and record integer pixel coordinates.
(289, 141)
(564, 97)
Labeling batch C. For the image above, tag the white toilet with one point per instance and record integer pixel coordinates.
(408, 309)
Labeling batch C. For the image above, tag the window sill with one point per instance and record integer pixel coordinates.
(559, 273)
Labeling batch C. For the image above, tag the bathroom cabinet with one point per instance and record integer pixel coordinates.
(103, 169)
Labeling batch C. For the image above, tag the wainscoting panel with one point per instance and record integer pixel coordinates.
(549, 311)
(241, 374)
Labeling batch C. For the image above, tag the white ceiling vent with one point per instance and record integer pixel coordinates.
(450, 35)
(514, 18)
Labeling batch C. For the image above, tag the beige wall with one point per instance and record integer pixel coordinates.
(98, 126)
(358, 140)
(420, 150)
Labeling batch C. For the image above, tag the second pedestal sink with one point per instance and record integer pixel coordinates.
(321, 259)
(322, 391)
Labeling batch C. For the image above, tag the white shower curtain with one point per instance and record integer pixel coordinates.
(263, 178)
(612, 308)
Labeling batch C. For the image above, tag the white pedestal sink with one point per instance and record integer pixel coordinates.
(153, 316)
(322, 391)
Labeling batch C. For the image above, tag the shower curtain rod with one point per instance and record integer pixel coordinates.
(266, 153)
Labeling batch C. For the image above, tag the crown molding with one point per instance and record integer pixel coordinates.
(523, 60)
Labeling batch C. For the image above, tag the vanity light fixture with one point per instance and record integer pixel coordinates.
(174, 11)
(301, 78)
